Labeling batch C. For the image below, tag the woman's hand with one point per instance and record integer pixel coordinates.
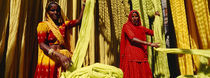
(157, 13)
(156, 45)
(63, 60)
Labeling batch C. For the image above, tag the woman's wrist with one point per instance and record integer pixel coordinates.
(83, 4)
(51, 51)
(157, 13)
(149, 44)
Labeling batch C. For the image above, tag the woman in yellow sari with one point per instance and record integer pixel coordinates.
(53, 56)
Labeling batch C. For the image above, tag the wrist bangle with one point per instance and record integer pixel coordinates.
(51, 51)
(149, 44)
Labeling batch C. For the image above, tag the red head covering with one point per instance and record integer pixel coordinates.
(130, 17)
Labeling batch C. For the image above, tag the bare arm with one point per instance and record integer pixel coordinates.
(78, 21)
(145, 43)
(44, 47)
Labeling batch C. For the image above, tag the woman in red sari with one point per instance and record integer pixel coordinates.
(53, 54)
(133, 48)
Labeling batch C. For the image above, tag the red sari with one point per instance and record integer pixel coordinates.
(134, 56)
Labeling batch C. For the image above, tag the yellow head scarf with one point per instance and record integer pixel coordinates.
(50, 23)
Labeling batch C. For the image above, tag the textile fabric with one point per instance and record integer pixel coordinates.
(96, 70)
(181, 30)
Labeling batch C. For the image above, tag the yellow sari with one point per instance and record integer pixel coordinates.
(49, 33)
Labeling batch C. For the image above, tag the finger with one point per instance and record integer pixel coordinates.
(71, 62)
(66, 65)
(69, 59)
(63, 65)
(64, 68)
(67, 62)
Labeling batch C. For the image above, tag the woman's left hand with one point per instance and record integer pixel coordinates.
(157, 13)
(156, 45)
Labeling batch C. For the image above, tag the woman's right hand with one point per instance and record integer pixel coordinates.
(156, 45)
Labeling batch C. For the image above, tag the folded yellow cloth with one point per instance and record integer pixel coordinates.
(96, 70)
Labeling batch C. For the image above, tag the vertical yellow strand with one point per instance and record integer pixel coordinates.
(11, 55)
(193, 33)
(201, 11)
(112, 16)
(181, 30)
(4, 22)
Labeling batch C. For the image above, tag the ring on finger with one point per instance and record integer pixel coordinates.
(66, 64)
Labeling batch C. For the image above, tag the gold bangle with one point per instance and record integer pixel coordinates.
(51, 51)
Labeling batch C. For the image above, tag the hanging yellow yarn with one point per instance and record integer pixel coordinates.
(201, 11)
(182, 36)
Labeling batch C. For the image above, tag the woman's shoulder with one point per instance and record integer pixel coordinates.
(66, 21)
(42, 23)
(42, 26)
(126, 25)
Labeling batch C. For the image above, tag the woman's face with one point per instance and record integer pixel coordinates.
(54, 12)
(135, 18)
